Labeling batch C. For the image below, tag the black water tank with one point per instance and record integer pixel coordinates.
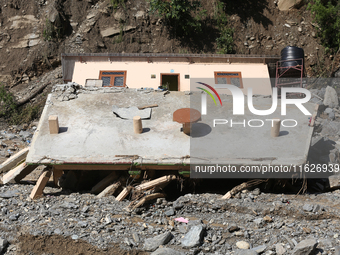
(290, 53)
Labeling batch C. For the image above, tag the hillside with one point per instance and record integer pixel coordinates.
(33, 34)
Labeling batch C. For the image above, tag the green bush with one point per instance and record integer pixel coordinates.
(225, 42)
(327, 16)
(49, 31)
(14, 114)
(7, 103)
(116, 3)
(183, 17)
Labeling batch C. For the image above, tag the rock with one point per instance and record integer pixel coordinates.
(337, 250)
(14, 217)
(25, 134)
(57, 231)
(307, 230)
(245, 252)
(260, 249)
(331, 115)
(166, 251)
(280, 250)
(242, 245)
(177, 205)
(259, 222)
(193, 237)
(75, 237)
(328, 110)
(115, 31)
(9, 194)
(169, 212)
(82, 224)
(153, 243)
(256, 192)
(331, 98)
(3, 244)
(285, 5)
(267, 218)
(305, 247)
(308, 207)
(233, 227)
(325, 243)
(135, 237)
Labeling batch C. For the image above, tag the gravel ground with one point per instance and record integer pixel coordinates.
(253, 222)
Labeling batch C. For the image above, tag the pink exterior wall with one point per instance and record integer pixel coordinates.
(139, 73)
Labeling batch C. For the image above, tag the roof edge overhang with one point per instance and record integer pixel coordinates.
(172, 57)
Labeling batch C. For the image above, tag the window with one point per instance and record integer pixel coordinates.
(233, 78)
(113, 78)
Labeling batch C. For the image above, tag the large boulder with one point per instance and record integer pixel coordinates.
(193, 237)
(305, 247)
(331, 98)
(153, 243)
(285, 5)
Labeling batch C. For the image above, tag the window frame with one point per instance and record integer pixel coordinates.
(113, 77)
(228, 77)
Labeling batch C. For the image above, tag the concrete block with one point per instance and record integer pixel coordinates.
(94, 83)
(53, 124)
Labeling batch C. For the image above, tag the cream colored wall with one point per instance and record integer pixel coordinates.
(139, 73)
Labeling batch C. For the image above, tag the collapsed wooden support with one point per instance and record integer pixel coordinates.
(147, 198)
(156, 182)
(18, 173)
(40, 185)
(111, 189)
(124, 193)
(14, 160)
(56, 176)
(241, 187)
(160, 182)
(100, 186)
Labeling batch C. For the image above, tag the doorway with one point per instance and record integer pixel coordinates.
(170, 81)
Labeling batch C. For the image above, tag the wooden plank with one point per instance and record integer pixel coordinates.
(156, 182)
(148, 106)
(124, 193)
(334, 181)
(100, 186)
(56, 176)
(18, 173)
(110, 190)
(147, 198)
(40, 185)
(314, 116)
(13, 160)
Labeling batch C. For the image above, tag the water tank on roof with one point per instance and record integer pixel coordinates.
(295, 54)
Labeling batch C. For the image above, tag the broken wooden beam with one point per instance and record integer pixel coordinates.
(124, 193)
(147, 106)
(147, 198)
(100, 186)
(56, 176)
(40, 185)
(109, 190)
(315, 114)
(156, 182)
(13, 160)
(18, 173)
(241, 187)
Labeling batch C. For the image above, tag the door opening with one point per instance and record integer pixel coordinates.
(170, 81)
